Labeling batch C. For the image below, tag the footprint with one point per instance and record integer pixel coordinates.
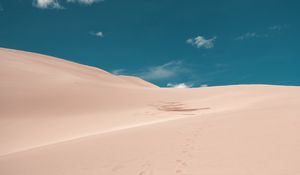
(190, 155)
(117, 167)
(183, 164)
(178, 171)
(142, 173)
(184, 152)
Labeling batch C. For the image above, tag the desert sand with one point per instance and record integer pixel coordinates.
(62, 118)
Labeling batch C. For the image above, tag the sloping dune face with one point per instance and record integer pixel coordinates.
(37, 87)
(137, 81)
(59, 117)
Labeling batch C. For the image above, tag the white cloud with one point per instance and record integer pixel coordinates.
(87, 2)
(97, 34)
(180, 85)
(272, 30)
(56, 4)
(278, 27)
(200, 41)
(47, 4)
(204, 85)
(247, 35)
(167, 70)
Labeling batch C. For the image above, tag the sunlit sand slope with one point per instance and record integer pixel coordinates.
(59, 117)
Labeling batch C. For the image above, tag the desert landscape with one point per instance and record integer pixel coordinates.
(62, 118)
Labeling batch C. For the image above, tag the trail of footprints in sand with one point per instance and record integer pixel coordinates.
(146, 169)
(187, 153)
(187, 147)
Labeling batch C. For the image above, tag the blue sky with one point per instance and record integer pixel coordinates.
(167, 42)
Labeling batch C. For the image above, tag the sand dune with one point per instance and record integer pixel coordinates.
(59, 117)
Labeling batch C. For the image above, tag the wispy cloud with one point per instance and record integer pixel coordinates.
(169, 70)
(56, 4)
(247, 35)
(86, 2)
(1, 7)
(175, 74)
(164, 71)
(180, 85)
(118, 71)
(97, 34)
(201, 41)
(267, 33)
(278, 27)
(47, 4)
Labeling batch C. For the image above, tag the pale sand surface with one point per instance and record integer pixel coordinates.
(59, 117)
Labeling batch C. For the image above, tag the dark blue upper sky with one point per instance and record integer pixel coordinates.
(196, 42)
